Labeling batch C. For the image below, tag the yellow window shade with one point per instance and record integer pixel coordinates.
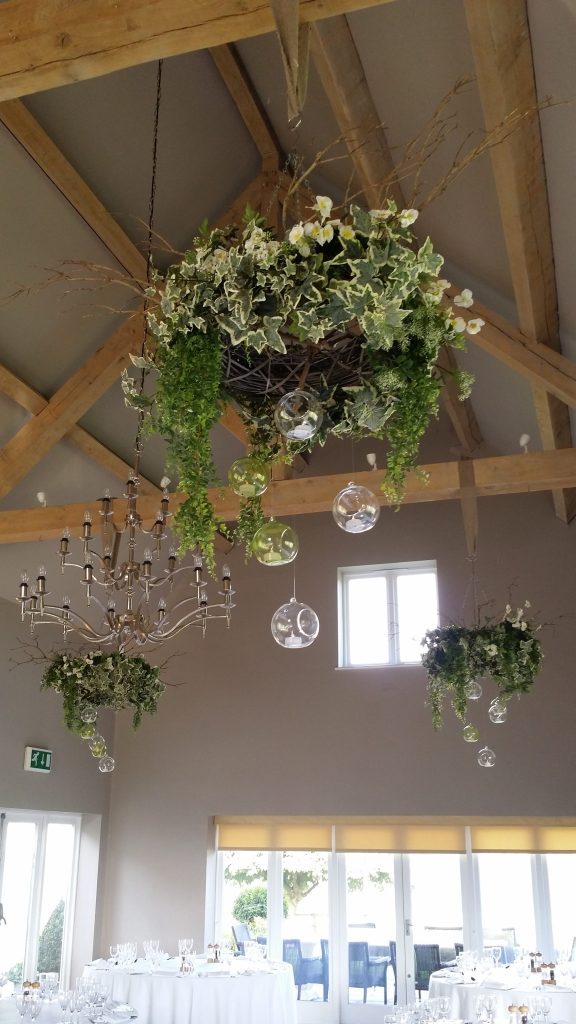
(269, 834)
(523, 838)
(401, 838)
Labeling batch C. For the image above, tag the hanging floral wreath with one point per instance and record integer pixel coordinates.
(102, 680)
(508, 651)
(351, 308)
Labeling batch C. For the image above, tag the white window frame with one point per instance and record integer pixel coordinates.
(41, 820)
(391, 572)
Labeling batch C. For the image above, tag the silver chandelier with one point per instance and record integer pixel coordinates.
(130, 616)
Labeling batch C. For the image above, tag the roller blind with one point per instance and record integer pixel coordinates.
(273, 834)
(401, 838)
(523, 838)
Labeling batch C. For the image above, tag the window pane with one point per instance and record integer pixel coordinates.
(244, 897)
(57, 877)
(305, 922)
(16, 895)
(507, 903)
(417, 611)
(561, 873)
(436, 900)
(368, 621)
(371, 916)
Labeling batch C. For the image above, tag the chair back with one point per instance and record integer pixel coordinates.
(241, 934)
(459, 947)
(358, 960)
(392, 945)
(427, 958)
(292, 954)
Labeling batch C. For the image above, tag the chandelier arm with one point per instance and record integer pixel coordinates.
(196, 618)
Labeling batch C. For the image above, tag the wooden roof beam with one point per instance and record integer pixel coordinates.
(46, 43)
(506, 474)
(249, 106)
(34, 402)
(500, 38)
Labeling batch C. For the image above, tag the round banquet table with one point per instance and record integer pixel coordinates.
(252, 994)
(505, 988)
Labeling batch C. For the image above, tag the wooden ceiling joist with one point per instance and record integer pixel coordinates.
(46, 43)
(344, 82)
(248, 104)
(507, 474)
(500, 38)
(34, 402)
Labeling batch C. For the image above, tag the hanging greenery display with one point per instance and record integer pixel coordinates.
(508, 651)
(350, 309)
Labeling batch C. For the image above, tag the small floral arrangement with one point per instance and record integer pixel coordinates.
(102, 680)
(244, 290)
(508, 651)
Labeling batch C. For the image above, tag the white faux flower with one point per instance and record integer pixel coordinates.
(407, 217)
(465, 299)
(346, 232)
(491, 650)
(296, 234)
(326, 234)
(323, 205)
(475, 326)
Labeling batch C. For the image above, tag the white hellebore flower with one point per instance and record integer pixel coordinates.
(475, 326)
(296, 234)
(314, 230)
(407, 217)
(346, 232)
(491, 650)
(323, 205)
(458, 324)
(465, 299)
(326, 234)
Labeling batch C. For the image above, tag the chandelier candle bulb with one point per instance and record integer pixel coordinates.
(64, 545)
(87, 527)
(41, 581)
(24, 581)
(165, 506)
(106, 503)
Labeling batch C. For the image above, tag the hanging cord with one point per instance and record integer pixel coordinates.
(148, 254)
(2, 822)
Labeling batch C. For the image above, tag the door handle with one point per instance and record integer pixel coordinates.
(407, 927)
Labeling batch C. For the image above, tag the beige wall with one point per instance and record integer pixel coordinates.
(257, 729)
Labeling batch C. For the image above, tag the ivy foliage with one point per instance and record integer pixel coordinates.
(509, 651)
(244, 287)
(116, 681)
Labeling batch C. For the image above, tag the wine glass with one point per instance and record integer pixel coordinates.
(114, 952)
(496, 952)
(443, 1006)
(546, 1005)
(34, 1007)
(21, 1003)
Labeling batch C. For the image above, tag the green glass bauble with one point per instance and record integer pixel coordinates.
(97, 746)
(87, 731)
(248, 477)
(275, 543)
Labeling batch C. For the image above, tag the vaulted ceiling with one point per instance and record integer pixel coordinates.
(77, 94)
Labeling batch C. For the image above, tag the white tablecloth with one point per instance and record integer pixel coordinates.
(463, 996)
(267, 996)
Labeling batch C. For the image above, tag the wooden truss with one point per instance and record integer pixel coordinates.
(45, 43)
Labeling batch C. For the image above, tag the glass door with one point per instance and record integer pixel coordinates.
(436, 920)
(17, 862)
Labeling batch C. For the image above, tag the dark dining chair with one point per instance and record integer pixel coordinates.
(241, 934)
(365, 971)
(459, 947)
(426, 961)
(392, 945)
(308, 970)
(324, 948)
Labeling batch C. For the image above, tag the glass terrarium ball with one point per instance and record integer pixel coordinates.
(106, 764)
(470, 733)
(275, 543)
(88, 713)
(295, 624)
(474, 690)
(97, 746)
(87, 730)
(486, 757)
(355, 509)
(248, 477)
(298, 415)
(498, 711)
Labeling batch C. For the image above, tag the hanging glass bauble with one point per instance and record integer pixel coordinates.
(106, 763)
(87, 730)
(473, 690)
(88, 713)
(470, 733)
(295, 624)
(275, 543)
(498, 711)
(97, 746)
(486, 757)
(298, 415)
(248, 477)
(355, 509)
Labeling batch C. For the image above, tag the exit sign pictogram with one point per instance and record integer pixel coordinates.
(37, 760)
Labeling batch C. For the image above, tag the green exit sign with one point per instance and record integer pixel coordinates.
(37, 760)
